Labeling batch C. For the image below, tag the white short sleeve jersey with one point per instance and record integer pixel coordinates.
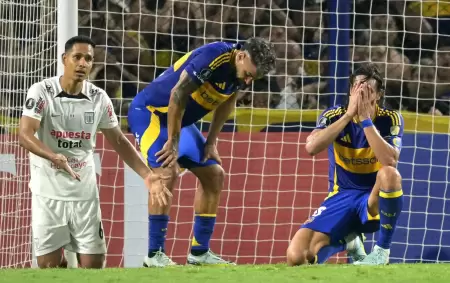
(68, 126)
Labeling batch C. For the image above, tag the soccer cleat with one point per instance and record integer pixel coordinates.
(206, 259)
(160, 259)
(355, 247)
(378, 256)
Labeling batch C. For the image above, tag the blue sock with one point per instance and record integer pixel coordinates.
(391, 204)
(157, 229)
(326, 252)
(203, 229)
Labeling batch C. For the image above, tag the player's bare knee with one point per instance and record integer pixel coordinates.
(172, 173)
(49, 261)
(389, 178)
(296, 256)
(92, 261)
(212, 178)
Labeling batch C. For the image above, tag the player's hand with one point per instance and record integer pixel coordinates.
(366, 102)
(61, 162)
(168, 154)
(156, 184)
(355, 93)
(211, 152)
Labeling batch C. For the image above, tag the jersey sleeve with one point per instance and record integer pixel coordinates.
(108, 117)
(328, 117)
(395, 134)
(35, 102)
(205, 62)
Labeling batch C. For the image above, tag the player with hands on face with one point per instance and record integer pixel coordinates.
(365, 192)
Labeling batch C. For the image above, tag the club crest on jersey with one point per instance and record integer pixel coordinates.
(89, 117)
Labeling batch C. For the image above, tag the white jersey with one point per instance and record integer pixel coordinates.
(68, 126)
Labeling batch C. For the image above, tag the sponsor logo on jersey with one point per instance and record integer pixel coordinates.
(74, 163)
(70, 144)
(39, 106)
(209, 99)
(110, 112)
(358, 161)
(70, 135)
(94, 91)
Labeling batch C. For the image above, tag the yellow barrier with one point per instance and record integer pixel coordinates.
(255, 120)
(248, 120)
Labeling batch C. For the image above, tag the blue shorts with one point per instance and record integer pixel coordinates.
(343, 213)
(151, 137)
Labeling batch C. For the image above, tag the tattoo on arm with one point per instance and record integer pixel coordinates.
(183, 89)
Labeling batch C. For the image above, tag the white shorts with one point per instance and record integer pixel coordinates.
(73, 225)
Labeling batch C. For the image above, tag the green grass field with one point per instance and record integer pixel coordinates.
(407, 273)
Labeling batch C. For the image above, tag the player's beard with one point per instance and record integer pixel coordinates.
(241, 83)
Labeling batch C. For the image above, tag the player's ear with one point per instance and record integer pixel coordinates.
(241, 56)
(63, 58)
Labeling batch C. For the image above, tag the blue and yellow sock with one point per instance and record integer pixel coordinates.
(157, 229)
(326, 252)
(203, 229)
(391, 204)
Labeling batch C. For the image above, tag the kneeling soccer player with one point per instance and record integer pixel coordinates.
(364, 142)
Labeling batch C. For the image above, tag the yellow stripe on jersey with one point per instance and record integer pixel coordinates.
(395, 117)
(333, 112)
(395, 194)
(181, 61)
(208, 97)
(356, 160)
(164, 109)
(225, 57)
(150, 135)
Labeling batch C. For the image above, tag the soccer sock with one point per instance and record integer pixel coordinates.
(157, 229)
(391, 204)
(326, 252)
(203, 229)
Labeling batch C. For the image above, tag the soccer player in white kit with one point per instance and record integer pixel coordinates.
(61, 117)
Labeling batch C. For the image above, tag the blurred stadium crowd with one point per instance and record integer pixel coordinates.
(138, 39)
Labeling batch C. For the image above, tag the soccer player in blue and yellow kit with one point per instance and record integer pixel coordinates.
(162, 118)
(364, 142)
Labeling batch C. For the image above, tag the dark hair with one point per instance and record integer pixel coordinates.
(369, 71)
(78, 39)
(262, 54)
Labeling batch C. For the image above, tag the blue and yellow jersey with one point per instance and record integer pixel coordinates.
(210, 66)
(353, 164)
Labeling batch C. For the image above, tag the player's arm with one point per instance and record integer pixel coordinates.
(177, 104)
(30, 122)
(220, 116)
(386, 149)
(194, 74)
(126, 150)
(110, 128)
(324, 135)
(327, 130)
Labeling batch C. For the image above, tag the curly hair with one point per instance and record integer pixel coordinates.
(262, 54)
